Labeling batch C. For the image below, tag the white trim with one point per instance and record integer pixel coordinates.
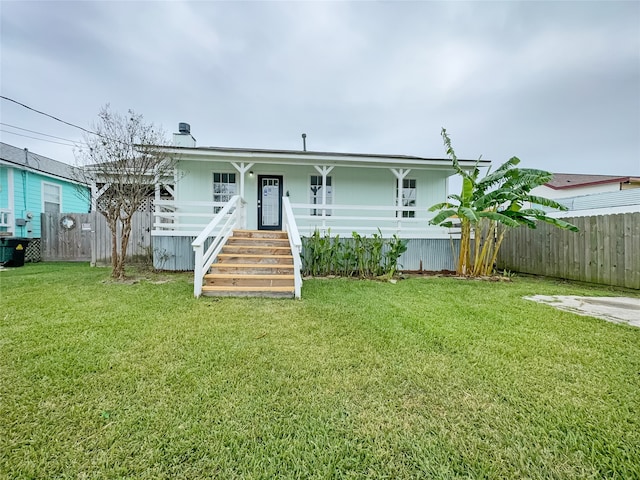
(342, 160)
(11, 191)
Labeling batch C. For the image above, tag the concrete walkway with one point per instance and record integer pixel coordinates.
(613, 309)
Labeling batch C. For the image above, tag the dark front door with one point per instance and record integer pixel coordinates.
(269, 202)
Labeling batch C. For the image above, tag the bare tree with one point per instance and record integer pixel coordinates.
(122, 160)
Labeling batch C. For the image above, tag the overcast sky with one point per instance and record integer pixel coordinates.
(554, 83)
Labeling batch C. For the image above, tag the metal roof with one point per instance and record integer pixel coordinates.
(25, 159)
(573, 180)
(307, 156)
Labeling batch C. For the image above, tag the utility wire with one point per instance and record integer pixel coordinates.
(47, 115)
(36, 138)
(38, 133)
(59, 120)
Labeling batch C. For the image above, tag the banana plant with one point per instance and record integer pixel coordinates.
(487, 207)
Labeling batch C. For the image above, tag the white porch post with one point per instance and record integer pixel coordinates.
(324, 171)
(242, 168)
(400, 175)
(156, 192)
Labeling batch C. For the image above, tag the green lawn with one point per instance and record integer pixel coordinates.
(427, 378)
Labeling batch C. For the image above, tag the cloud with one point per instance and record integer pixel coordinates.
(555, 83)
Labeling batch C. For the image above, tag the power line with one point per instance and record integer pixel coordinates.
(38, 133)
(47, 115)
(58, 120)
(36, 138)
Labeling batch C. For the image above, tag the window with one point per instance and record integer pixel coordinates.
(315, 194)
(224, 187)
(51, 198)
(409, 193)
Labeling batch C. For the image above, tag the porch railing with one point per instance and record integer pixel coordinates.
(181, 218)
(290, 226)
(231, 216)
(177, 218)
(367, 219)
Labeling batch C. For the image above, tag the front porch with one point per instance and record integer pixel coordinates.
(179, 245)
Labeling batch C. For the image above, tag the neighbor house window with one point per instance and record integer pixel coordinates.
(315, 194)
(224, 187)
(409, 192)
(51, 198)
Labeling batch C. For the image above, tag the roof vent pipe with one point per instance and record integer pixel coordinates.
(184, 128)
(304, 142)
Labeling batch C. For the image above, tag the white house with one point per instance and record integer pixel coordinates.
(586, 195)
(217, 190)
(564, 185)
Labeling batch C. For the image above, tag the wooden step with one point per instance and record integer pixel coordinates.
(226, 258)
(257, 241)
(257, 249)
(250, 269)
(253, 263)
(274, 292)
(260, 234)
(255, 280)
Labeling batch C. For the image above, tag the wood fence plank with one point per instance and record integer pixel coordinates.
(92, 244)
(606, 250)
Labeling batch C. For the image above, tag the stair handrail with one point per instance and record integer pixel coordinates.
(291, 227)
(204, 259)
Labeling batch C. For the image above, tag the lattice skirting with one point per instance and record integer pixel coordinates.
(33, 252)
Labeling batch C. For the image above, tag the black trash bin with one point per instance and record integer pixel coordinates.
(12, 250)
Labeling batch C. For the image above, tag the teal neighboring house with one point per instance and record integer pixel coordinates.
(31, 184)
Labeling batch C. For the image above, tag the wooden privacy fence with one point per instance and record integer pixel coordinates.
(85, 237)
(606, 250)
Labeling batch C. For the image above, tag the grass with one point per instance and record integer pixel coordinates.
(427, 378)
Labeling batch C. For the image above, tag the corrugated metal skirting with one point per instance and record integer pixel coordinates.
(430, 254)
(426, 254)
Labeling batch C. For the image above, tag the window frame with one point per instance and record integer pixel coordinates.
(46, 201)
(224, 196)
(410, 202)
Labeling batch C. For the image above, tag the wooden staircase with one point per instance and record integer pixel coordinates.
(253, 263)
